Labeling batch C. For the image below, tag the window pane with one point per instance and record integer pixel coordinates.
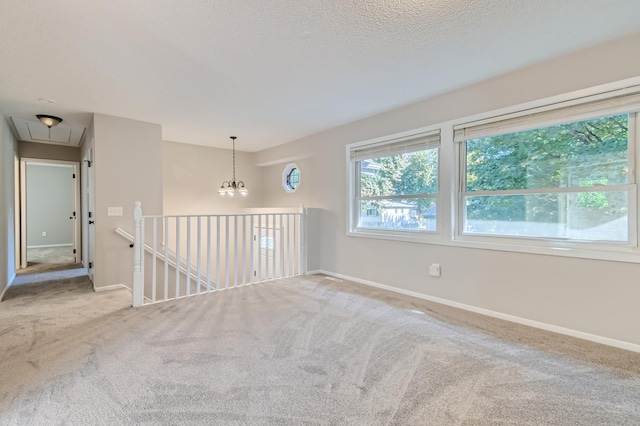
(415, 213)
(293, 178)
(599, 216)
(404, 174)
(584, 153)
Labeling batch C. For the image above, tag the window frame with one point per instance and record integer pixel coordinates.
(606, 250)
(286, 173)
(354, 182)
(449, 181)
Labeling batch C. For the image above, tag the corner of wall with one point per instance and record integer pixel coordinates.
(8, 150)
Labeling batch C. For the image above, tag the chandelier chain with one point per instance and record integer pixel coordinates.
(231, 187)
(234, 158)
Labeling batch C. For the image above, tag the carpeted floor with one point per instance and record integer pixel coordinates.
(48, 259)
(309, 350)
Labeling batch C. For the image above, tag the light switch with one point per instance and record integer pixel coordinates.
(114, 211)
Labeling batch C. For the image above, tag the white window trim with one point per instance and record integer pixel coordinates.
(407, 235)
(447, 233)
(285, 173)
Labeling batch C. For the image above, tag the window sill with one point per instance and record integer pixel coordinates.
(621, 252)
(615, 252)
(425, 237)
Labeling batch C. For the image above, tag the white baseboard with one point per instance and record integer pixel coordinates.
(512, 318)
(110, 287)
(51, 245)
(9, 282)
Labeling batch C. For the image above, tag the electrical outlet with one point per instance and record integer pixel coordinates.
(434, 270)
(44, 233)
(114, 211)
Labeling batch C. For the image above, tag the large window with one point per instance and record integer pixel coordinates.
(554, 176)
(395, 185)
(557, 177)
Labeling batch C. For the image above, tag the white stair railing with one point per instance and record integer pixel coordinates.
(161, 257)
(220, 252)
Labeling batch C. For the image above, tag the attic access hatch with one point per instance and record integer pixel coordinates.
(35, 131)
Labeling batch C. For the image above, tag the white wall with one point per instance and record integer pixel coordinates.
(274, 191)
(128, 168)
(192, 175)
(50, 204)
(8, 148)
(589, 296)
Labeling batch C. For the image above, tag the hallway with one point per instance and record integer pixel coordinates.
(48, 259)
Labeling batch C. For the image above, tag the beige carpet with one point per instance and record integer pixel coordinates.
(298, 351)
(47, 259)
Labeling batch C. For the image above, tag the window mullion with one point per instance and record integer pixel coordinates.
(562, 190)
(633, 138)
(396, 197)
(634, 161)
(461, 210)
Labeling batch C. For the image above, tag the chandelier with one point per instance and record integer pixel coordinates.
(230, 187)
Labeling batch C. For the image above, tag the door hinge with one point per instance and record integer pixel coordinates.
(74, 214)
(88, 163)
(254, 273)
(74, 251)
(89, 214)
(254, 238)
(90, 265)
(74, 175)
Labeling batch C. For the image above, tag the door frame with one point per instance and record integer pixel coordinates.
(17, 209)
(23, 205)
(88, 204)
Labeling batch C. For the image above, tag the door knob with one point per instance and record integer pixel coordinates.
(91, 222)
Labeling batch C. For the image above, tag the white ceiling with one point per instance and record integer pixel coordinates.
(277, 70)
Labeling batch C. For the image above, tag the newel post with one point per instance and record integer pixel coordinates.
(138, 250)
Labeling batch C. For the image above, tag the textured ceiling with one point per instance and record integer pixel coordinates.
(274, 71)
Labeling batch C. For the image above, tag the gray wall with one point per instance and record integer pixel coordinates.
(50, 203)
(8, 148)
(128, 168)
(589, 296)
(49, 151)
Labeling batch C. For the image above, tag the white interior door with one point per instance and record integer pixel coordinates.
(88, 216)
(23, 214)
(75, 215)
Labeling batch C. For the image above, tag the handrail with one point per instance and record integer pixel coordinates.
(160, 257)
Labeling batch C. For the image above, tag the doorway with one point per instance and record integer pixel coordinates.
(268, 261)
(50, 212)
